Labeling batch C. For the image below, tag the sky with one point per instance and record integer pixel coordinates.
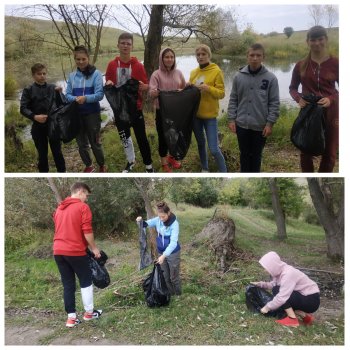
(263, 18)
(270, 18)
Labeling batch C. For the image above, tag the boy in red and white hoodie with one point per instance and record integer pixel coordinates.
(119, 71)
(293, 291)
(73, 235)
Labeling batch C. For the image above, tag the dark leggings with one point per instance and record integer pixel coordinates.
(138, 124)
(297, 301)
(162, 146)
(69, 266)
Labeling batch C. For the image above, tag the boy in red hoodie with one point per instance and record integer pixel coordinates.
(119, 71)
(73, 234)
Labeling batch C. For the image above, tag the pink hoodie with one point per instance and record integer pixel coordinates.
(287, 277)
(165, 80)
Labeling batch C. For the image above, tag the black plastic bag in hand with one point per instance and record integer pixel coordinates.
(256, 298)
(63, 120)
(100, 275)
(155, 288)
(308, 130)
(178, 110)
(145, 255)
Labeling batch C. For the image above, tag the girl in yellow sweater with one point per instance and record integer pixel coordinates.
(209, 79)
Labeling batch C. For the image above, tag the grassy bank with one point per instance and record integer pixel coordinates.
(211, 310)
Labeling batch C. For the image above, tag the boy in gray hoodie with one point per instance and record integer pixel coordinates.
(253, 108)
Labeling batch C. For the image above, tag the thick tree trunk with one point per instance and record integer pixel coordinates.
(277, 210)
(141, 184)
(333, 225)
(154, 39)
(57, 193)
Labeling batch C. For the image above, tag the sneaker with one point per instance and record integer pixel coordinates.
(174, 163)
(103, 169)
(89, 169)
(72, 322)
(289, 322)
(150, 170)
(308, 319)
(166, 168)
(129, 167)
(205, 171)
(88, 316)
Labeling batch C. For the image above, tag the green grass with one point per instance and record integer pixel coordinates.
(211, 310)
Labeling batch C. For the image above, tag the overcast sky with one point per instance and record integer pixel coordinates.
(269, 18)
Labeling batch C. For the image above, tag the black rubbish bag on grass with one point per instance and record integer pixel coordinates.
(256, 298)
(100, 275)
(155, 288)
(123, 100)
(178, 109)
(308, 130)
(63, 120)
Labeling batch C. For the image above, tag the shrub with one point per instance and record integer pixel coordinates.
(11, 87)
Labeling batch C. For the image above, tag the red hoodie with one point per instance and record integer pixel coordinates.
(137, 72)
(73, 220)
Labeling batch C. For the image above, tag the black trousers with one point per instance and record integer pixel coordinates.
(297, 301)
(162, 146)
(41, 140)
(138, 124)
(69, 266)
(251, 144)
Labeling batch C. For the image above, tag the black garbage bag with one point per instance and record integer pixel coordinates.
(63, 120)
(155, 288)
(145, 255)
(256, 298)
(100, 275)
(123, 100)
(178, 109)
(308, 130)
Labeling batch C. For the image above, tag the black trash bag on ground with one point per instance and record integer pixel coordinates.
(123, 100)
(100, 275)
(145, 255)
(308, 130)
(178, 109)
(155, 288)
(63, 120)
(256, 298)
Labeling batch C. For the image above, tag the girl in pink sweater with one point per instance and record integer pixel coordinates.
(293, 291)
(166, 78)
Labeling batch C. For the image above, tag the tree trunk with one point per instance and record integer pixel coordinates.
(141, 184)
(333, 225)
(57, 193)
(154, 39)
(277, 210)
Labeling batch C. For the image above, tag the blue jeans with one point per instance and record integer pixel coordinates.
(210, 126)
(251, 144)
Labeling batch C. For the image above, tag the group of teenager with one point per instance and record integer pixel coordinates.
(253, 107)
(294, 293)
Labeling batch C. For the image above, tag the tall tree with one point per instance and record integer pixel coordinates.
(277, 209)
(331, 14)
(75, 24)
(154, 39)
(316, 12)
(288, 31)
(328, 198)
